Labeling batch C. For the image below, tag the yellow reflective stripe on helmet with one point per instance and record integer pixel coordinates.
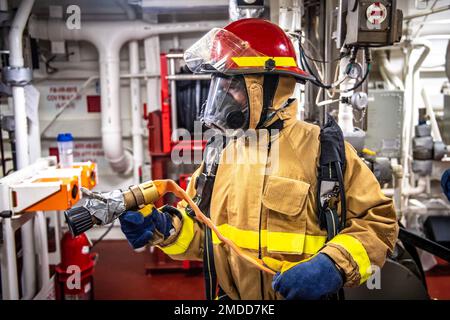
(359, 254)
(261, 61)
(274, 241)
(184, 239)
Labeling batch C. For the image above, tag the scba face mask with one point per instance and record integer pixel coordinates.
(227, 107)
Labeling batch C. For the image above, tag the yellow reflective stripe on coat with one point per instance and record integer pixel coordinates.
(359, 254)
(274, 241)
(184, 238)
(242, 238)
(261, 61)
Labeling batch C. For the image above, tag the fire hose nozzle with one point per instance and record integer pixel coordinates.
(79, 220)
(104, 208)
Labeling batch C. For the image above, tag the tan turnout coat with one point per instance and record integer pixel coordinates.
(268, 206)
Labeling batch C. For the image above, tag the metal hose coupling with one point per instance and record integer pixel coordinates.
(104, 208)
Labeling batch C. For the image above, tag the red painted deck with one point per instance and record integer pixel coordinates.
(120, 274)
(438, 281)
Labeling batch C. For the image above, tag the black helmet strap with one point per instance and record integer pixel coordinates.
(269, 88)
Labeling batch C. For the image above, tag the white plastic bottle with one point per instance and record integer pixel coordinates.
(65, 150)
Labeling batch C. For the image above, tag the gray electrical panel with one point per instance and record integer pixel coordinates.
(373, 23)
(385, 122)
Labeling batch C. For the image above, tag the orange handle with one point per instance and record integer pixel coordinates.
(165, 186)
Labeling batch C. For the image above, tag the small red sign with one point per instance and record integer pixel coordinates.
(93, 104)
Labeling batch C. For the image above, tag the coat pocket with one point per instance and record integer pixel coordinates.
(285, 200)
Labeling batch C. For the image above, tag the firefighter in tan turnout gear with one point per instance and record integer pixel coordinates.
(264, 194)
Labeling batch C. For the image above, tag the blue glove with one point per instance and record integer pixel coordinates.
(139, 227)
(445, 183)
(310, 279)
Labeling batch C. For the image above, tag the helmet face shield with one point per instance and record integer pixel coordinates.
(216, 52)
(246, 46)
(227, 106)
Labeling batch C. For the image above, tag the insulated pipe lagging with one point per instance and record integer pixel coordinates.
(345, 116)
(16, 33)
(119, 159)
(18, 93)
(21, 127)
(21, 133)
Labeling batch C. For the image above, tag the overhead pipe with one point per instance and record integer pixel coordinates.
(434, 125)
(18, 92)
(426, 13)
(16, 62)
(419, 189)
(411, 113)
(108, 37)
(345, 116)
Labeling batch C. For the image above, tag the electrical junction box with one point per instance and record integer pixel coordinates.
(385, 123)
(373, 23)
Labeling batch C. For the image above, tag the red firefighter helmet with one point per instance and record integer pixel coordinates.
(243, 47)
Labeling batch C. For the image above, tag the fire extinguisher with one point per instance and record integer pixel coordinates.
(75, 274)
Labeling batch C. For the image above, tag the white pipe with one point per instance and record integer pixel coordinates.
(16, 33)
(34, 137)
(115, 154)
(42, 248)
(386, 67)
(411, 113)
(385, 77)
(388, 192)
(21, 127)
(108, 37)
(414, 191)
(10, 287)
(410, 191)
(345, 116)
(136, 115)
(29, 261)
(434, 125)
(21, 133)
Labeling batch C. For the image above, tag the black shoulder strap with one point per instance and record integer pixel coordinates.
(204, 185)
(330, 184)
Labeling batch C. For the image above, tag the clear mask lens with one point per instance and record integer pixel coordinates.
(227, 104)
